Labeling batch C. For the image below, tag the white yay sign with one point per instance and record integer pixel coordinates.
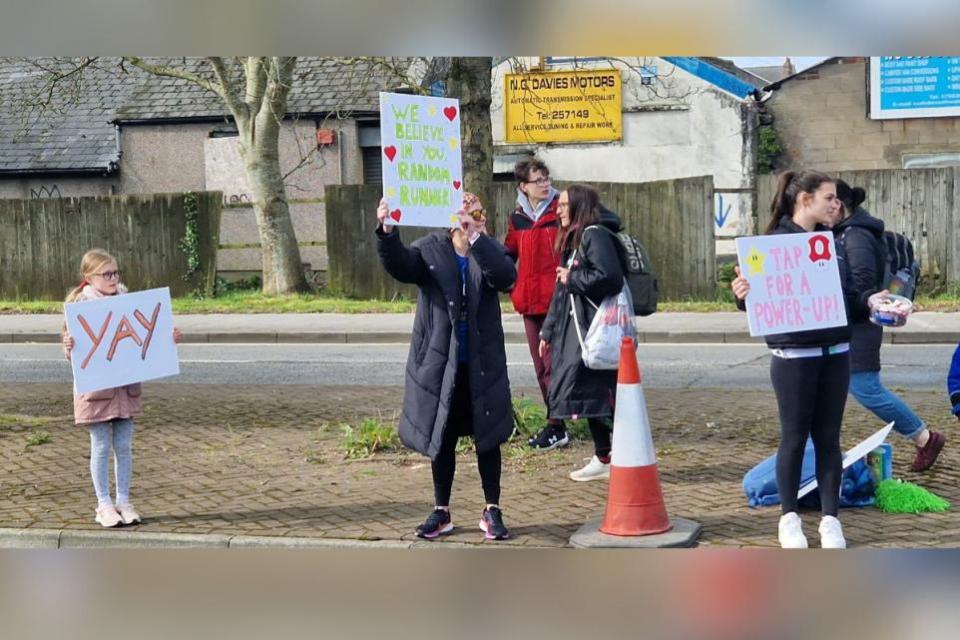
(122, 339)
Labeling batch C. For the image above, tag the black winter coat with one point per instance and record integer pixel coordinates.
(575, 390)
(861, 236)
(431, 264)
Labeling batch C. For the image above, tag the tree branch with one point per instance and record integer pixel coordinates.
(304, 159)
(256, 70)
(54, 77)
(282, 72)
(279, 81)
(171, 72)
(229, 93)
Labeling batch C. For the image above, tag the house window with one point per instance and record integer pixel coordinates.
(372, 165)
(224, 133)
(368, 133)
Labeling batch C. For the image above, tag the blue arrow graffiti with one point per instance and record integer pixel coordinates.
(722, 214)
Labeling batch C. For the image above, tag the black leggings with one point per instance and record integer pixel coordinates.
(811, 394)
(445, 465)
(600, 432)
(459, 423)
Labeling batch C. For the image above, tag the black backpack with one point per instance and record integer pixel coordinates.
(638, 272)
(901, 272)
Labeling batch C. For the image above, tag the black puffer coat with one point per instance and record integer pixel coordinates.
(861, 236)
(596, 273)
(431, 264)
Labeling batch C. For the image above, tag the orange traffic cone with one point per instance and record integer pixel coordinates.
(635, 502)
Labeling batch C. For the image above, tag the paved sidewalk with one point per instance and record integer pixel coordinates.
(721, 327)
(232, 466)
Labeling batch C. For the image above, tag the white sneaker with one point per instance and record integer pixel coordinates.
(594, 470)
(831, 534)
(128, 514)
(791, 532)
(107, 516)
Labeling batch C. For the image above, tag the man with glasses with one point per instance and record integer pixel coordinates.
(531, 233)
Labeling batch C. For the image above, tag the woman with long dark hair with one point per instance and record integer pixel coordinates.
(810, 370)
(590, 269)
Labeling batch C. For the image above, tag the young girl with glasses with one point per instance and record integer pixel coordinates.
(107, 414)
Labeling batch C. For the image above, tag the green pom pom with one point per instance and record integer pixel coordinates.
(897, 496)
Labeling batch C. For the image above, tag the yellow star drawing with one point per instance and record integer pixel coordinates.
(755, 262)
(391, 192)
(432, 111)
(453, 143)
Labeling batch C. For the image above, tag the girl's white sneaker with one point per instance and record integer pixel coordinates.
(107, 516)
(128, 514)
(791, 532)
(831, 534)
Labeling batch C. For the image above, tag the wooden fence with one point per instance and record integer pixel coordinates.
(673, 218)
(42, 241)
(919, 203)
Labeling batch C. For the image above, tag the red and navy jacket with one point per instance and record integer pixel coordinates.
(531, 244)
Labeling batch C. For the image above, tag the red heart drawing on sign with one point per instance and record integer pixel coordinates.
(456, 184)
(395, 214)
(390, 152)
(450, 112)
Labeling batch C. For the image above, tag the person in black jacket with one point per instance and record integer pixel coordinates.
(590, 269)
(810, 370)
(456, 375)
(862, 238)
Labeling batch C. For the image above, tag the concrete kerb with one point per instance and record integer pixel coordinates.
(924, 337)
(117, 539)
(45, 338)
(511, 337)
(29, 539)
(70, 539)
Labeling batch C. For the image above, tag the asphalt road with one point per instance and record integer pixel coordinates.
(662, 365)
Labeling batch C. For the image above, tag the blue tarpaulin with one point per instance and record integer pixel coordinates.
(760, 483)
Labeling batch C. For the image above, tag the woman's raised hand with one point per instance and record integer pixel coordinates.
(382, 212)
(740, 285)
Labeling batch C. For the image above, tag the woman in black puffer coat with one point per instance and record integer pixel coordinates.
(590, 269)
(862, 238)
(456, 376)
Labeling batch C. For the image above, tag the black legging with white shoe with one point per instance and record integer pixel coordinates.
(811, 395)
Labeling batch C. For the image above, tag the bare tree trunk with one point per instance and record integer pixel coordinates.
(280, 253)
(267, 87)
(258, 104)
(469, 81)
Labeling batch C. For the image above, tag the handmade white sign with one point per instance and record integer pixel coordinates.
(422, 168)
(119, 340)
(794, 282)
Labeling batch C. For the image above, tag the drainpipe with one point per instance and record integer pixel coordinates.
(338, 140)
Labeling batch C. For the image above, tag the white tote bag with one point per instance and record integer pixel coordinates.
(612, 323)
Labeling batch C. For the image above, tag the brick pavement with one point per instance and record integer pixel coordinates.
(266, 462)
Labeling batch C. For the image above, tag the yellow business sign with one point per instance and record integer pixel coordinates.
(567, 106)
